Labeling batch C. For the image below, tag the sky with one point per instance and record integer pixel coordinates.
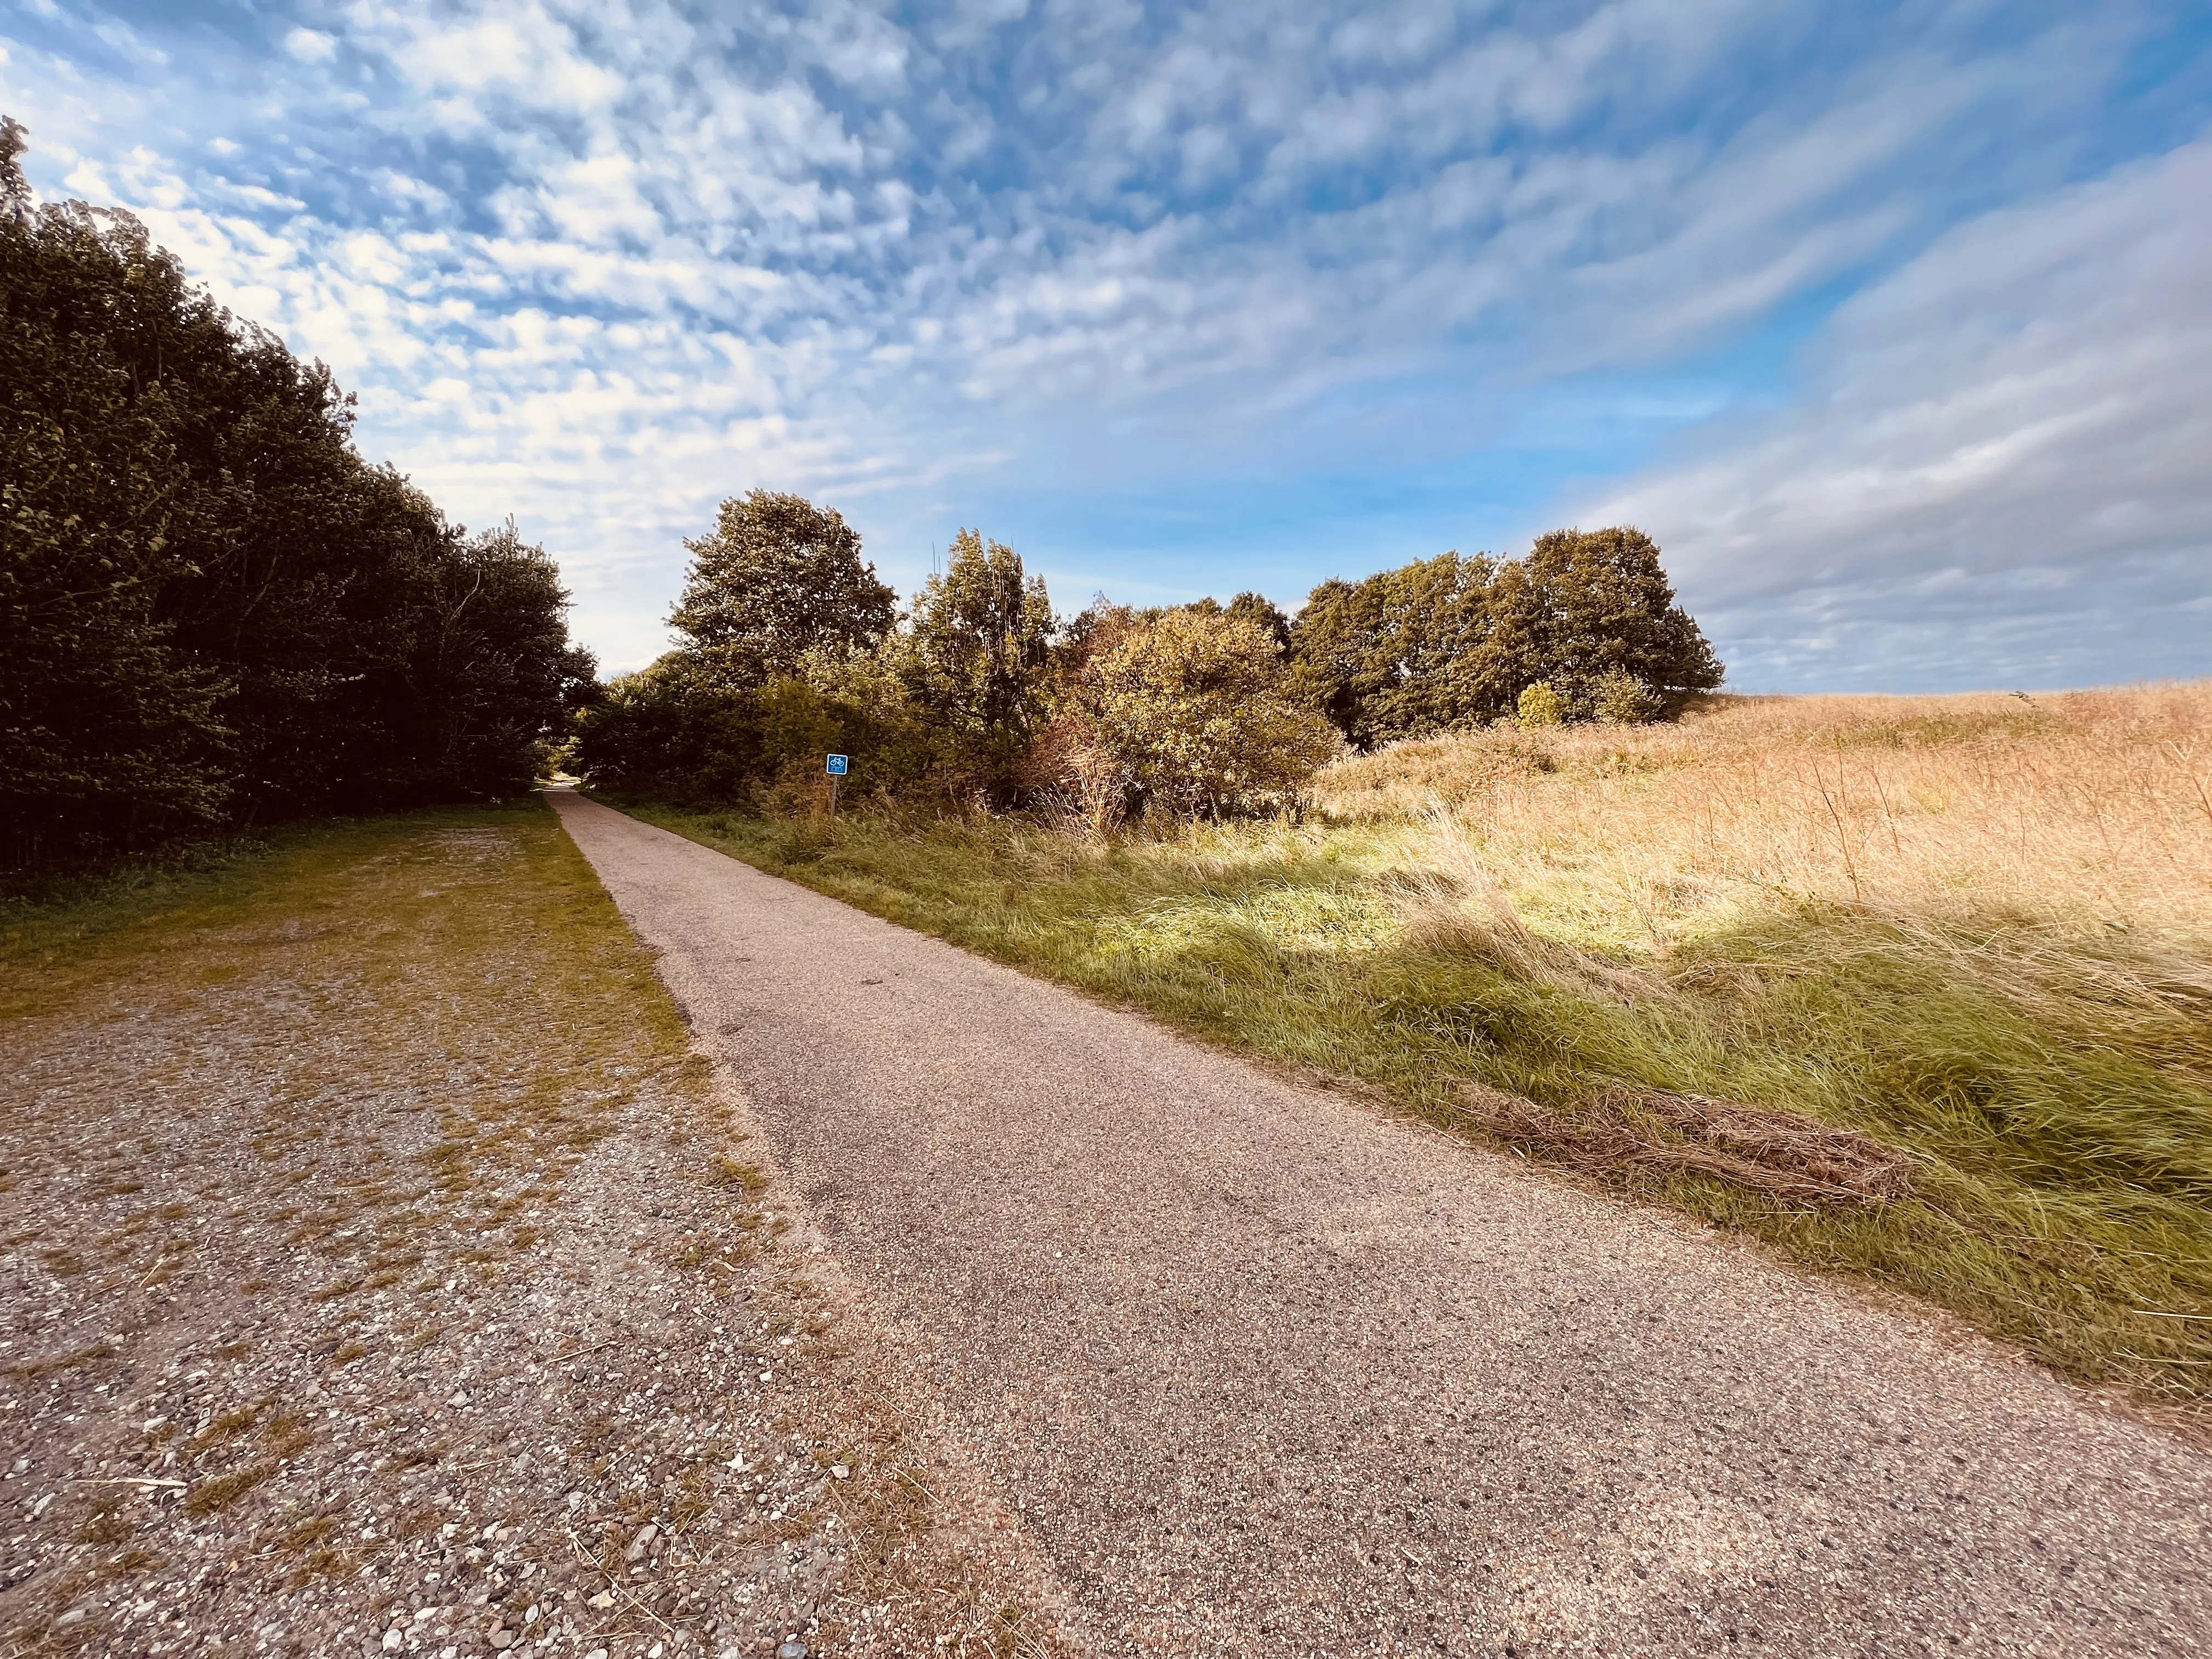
(1891, 323)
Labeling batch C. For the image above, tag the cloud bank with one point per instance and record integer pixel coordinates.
(1871, 317)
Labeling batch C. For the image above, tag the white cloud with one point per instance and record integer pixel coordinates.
(310, 45)
(601, 262)
(1999, 467)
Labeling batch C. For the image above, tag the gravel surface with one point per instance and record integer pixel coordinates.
(1267, 1371)
(379, 1275)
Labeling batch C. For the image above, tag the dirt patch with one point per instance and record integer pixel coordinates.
(379, 1272)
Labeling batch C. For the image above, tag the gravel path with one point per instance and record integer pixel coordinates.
(1265, 1372)
(378, 1275)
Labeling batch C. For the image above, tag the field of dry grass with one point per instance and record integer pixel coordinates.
(2088, 810)
(1966, 942)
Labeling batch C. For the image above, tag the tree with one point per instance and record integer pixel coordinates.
(1197, 711)
(110, 735)
(975, 659)
(212, 611)
(1266, 616)
(1393, 656)
(1450, 643)
(675, 729)
(776, 578)
(1587, 607)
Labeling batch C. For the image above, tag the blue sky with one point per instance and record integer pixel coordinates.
(1890, 322)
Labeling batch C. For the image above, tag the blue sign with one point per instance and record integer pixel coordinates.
(839, 766)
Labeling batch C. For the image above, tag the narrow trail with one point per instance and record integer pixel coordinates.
(1265, 1372)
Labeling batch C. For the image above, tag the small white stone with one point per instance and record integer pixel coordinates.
(393, 1639)
(839, 1471)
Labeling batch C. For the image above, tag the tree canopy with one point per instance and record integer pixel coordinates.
(1197, 711)
(973, 656)
(777, 579)
(212, 610)
(1448, 643)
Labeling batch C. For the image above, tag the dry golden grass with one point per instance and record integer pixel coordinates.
(2093, 809)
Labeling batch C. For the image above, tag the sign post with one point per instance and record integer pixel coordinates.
(839, 765)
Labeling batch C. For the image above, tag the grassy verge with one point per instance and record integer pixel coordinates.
(2056, 1107)
(465, 957)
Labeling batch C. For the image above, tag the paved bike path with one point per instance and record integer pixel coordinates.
(1267, 1372)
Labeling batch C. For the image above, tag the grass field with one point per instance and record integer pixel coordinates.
(1977, 930)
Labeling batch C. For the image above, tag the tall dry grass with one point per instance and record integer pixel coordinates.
(2088, 810)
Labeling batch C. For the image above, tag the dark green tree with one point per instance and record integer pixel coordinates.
(777, 580)
(1393, 656)
(211, 610)
(975, 659)
(1588, 610)
(1449, 643)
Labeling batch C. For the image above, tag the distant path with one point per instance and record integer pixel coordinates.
(1268, 1373)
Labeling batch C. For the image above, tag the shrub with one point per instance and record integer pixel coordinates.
(1540, 705)
(1194, 711)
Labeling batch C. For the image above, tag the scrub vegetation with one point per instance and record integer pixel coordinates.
(1972, 933)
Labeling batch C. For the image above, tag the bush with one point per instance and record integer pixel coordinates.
(1540, 705)
(1193, 711)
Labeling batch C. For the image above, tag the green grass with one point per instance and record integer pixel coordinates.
(2057, 1110)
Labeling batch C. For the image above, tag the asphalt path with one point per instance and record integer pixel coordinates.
(1267, 1371)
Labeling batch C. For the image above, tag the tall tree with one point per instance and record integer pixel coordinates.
(211, 608)
(975, 655)
(1451, 643)
(1393, 656)
(777, 579)
(1588, 609)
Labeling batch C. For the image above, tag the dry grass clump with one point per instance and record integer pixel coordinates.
(2088, 809)
(1789, 1155)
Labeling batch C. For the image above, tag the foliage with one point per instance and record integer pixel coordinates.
(1586, 605)
(760, 691)
(1620, 699)
(777, 581)
(1194, 709)
(1403, 651)
(1450, 643)
(212, 611)
(676, 728)
(974, 660)
(1539, 705)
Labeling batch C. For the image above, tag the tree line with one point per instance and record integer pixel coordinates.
(213, 611)
(790, 647)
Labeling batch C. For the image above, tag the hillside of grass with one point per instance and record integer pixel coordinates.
(1974, 930)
